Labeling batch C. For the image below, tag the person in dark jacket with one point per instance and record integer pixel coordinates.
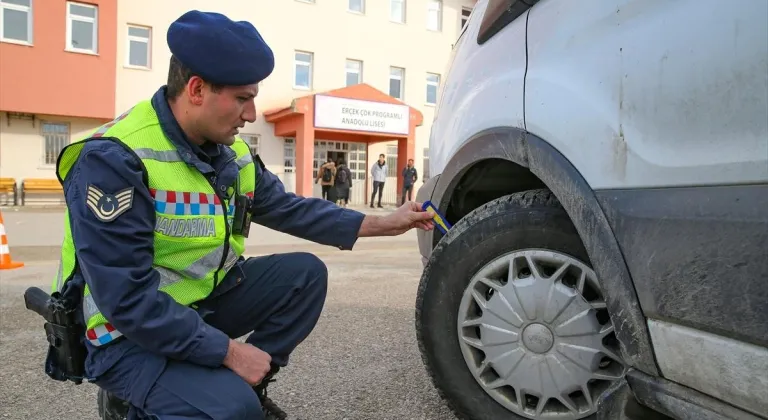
(410, 176)
(343, 183)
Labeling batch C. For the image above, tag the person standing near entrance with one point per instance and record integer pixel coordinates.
(410, 176)
(325, 176)
(343, 184)
(379, 175)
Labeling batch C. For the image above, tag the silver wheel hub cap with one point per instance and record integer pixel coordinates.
(538, 338)
(535, 334)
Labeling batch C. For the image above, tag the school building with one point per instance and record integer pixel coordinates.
(352, 79)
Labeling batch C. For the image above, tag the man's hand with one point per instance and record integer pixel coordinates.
(407, 217)
(247, 361)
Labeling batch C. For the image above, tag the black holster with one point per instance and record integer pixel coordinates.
(65, 360)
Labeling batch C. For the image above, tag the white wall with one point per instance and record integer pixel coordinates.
(22, 145)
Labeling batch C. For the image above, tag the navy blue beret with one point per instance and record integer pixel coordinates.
(220, 50)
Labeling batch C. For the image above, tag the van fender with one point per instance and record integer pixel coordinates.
(579, 201)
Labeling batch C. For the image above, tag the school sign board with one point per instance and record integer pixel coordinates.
(354, 114)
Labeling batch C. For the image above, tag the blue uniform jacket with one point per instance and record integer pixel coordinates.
(115, 258)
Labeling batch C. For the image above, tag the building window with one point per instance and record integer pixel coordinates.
(434, 15)
(354, 72)
(82, 28)
(289, 155)
(433, 84)
(139, 49)
(465, 12)
(425, 165)
(16, 21)
(397, 11)
(396, 78)
(55, 137)
(253, 143)
(356, 6)
(302, 64)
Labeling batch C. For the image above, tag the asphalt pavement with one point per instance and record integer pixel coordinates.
(361, 361)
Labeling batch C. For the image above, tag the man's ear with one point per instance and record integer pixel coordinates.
(196, 90)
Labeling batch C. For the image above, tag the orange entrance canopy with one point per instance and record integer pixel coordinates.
(358, 113)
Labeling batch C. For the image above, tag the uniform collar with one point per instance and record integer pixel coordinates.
(191, 153)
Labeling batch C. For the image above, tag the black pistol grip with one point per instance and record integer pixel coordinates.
(36, 300)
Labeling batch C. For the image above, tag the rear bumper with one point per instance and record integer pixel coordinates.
(425, 238)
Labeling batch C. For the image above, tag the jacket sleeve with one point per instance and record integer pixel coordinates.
(313, 219)
(115, 258)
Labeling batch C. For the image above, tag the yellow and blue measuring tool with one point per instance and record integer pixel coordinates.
(440, 221)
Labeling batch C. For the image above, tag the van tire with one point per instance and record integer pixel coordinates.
(529, 219)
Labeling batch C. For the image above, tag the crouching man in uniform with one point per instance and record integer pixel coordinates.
(159, 202)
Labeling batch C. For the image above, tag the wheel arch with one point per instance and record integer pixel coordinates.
(532, 163)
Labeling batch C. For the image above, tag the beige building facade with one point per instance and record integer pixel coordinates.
(397, 47)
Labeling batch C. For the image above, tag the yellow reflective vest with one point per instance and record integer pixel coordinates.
(193, 243)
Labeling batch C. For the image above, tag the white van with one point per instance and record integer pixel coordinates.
(604, 164)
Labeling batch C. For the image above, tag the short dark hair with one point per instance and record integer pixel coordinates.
(382, 155)
(410, 160)
(178, 77)
(340, 161)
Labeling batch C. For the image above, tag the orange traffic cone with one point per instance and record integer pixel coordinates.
(5, 252)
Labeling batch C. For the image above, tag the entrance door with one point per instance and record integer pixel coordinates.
(336, 156)
(289, 165)
(357, 165)
(354, 154)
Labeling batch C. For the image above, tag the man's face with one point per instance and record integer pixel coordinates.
(221, 113)
(381, 159)
(410, 163)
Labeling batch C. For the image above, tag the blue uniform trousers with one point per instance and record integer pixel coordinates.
(278, 298)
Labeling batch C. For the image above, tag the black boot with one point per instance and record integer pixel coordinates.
(111, 407)
(271, 410)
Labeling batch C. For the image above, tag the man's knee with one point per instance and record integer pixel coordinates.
(315, 269)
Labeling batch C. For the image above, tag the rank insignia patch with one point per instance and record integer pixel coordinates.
(107, 207)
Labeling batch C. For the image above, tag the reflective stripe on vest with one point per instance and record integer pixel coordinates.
(192, 222)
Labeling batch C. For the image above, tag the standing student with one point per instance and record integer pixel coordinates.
(326, 175)
(379, 175)
(410, 176)
(343, 184)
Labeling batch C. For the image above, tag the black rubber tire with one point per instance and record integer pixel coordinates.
(530, 219)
